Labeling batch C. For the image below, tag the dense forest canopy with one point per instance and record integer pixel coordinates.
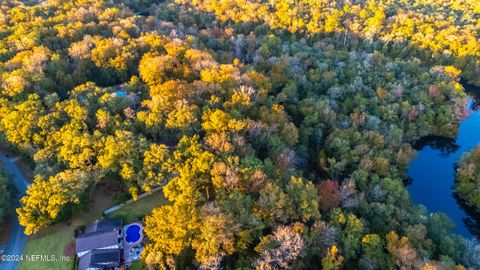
(281, 129)
(467, 185)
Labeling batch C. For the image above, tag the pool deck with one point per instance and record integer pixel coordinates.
(132, 251)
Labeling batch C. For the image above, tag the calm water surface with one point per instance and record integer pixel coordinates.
(433, 170)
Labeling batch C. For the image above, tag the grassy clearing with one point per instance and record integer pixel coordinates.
(137, 210)
(50, 244)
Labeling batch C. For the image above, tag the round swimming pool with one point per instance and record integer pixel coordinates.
(132, 233)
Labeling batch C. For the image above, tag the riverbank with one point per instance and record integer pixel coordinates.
(433, 171)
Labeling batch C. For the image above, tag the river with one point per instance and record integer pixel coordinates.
(433, 171)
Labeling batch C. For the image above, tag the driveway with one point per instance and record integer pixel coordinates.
(17, 241)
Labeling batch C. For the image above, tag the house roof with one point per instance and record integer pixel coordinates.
(95, 240)
(103, 225)
(100, 258)
(99, 234)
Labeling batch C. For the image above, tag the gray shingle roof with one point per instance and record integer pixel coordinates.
(84, 262)
(100, 258)
(96, 240)
(103, 225)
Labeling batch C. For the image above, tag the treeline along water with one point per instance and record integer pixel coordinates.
(433, 171)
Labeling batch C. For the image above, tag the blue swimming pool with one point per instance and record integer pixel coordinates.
(132, 233)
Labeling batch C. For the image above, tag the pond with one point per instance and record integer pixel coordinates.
(432, 172)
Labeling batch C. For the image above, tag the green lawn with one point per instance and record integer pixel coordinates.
(52, 243)
(137, 266)
(53, 240)
(139, 209)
